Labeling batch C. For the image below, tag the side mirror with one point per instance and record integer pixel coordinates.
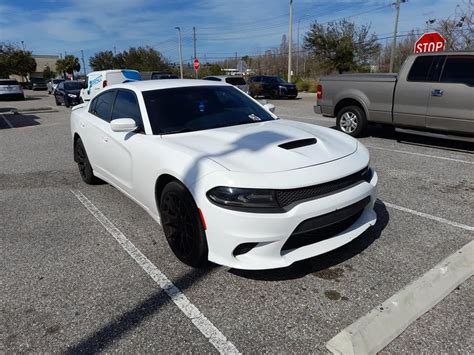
(270, 107)
(123, 125)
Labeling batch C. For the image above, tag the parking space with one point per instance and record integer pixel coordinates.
(72, 284)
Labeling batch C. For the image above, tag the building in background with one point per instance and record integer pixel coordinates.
(42, 61)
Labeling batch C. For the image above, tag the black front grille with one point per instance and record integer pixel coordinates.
(291, 196)
(323, 227)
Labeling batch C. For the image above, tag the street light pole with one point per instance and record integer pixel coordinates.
(290, 40)
(180, 53)
(194, 40)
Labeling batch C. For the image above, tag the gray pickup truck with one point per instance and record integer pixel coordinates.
(432, 92)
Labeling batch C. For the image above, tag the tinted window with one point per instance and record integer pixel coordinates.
(101, 106)
(60, 86)
(37, 80)
(256, 79)
(73, 86)
(459, 69)
(235, 81)
(199, 108)
(420, 69)
(57, 81)
(212, 78)
(126, 106)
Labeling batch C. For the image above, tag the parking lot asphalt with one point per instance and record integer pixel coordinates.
(68, 286)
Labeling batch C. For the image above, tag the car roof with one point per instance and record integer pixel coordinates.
(147, 85)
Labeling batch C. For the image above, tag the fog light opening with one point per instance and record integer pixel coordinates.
(244, 248)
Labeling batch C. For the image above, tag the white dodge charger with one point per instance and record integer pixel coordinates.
(227, 180)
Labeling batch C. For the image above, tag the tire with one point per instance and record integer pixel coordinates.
(182, 225)
(351, 120)
(57, 102)
(275, 94)
(85, 168)
(66, 103)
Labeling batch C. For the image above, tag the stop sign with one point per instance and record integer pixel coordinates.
(196, 64)
(430, 42)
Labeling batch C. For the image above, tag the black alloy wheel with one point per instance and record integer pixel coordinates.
(85, 168)
(182, 225)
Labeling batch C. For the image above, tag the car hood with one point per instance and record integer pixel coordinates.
(267, 147)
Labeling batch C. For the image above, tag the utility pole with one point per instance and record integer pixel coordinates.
(298, 49)
(194, 40)
(290, 40)
(23, 45)
(180, 53)
(83, 63)
(394, 42)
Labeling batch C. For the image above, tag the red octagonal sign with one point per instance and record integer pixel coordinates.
(196, 64)
(430, 42)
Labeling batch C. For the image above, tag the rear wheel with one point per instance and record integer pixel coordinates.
(351, 120)
(182, 225)
(85, 168)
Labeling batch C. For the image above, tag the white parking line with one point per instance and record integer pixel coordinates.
(7, 121)
(215, 337)
(426, 215)
(420, 154)
(372, 332)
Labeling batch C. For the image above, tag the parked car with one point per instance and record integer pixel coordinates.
(52, 84)
(10, 89)
(237, 81)
(98, 80)
(163, 75)
(228, 181)
(271, 86)
(68, 93)
(37, 84)
(432, 92)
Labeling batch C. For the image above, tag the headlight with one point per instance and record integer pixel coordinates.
(263, 200)
(71, 95)
(282, 87)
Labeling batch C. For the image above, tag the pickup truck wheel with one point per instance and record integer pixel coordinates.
(351, 120)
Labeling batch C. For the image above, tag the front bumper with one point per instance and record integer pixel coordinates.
(229, 229)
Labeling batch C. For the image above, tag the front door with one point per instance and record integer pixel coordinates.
(451, 103)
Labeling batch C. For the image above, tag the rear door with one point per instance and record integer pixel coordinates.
(451, 103)
(412, 94)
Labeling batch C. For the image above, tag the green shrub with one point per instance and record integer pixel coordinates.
(308, 85)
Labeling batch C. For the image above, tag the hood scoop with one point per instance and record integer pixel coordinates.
(298, 144)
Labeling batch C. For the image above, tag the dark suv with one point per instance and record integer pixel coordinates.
(271, 86)
(37, 84)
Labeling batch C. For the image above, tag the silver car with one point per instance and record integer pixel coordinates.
(10, 89)
(237, 81)
(53, 84)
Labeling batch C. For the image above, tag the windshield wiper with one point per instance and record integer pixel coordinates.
(182, 130)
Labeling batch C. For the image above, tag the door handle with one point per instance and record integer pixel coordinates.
(105, 139)
(82, 124)
(437, 92)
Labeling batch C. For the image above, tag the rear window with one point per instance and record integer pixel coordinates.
(37, 80)
(212, 78)
(8, 82)
(459, 69)
(236, 81)
(57, 81)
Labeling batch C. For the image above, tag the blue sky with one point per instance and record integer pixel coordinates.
(222, 27)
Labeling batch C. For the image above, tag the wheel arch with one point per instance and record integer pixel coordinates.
(349, 102)
(160, 184)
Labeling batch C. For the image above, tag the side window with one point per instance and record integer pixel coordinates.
(61, 86)
(126, 106)
(101, 106)
(420, 69)
(459, 69)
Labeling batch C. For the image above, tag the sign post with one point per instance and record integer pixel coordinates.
(430, 42)
(196, 66)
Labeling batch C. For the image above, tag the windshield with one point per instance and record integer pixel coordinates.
(276, 79)
(73, 86)
(200, 107)
(57, 81)
(37, 80)
(235, 81)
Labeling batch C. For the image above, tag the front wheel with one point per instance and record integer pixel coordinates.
(57, 102)
(182, 225)
(351, 120)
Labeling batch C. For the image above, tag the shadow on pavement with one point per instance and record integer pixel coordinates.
(418, 140)
(128, 321)
(18, 121)
(324, 261)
